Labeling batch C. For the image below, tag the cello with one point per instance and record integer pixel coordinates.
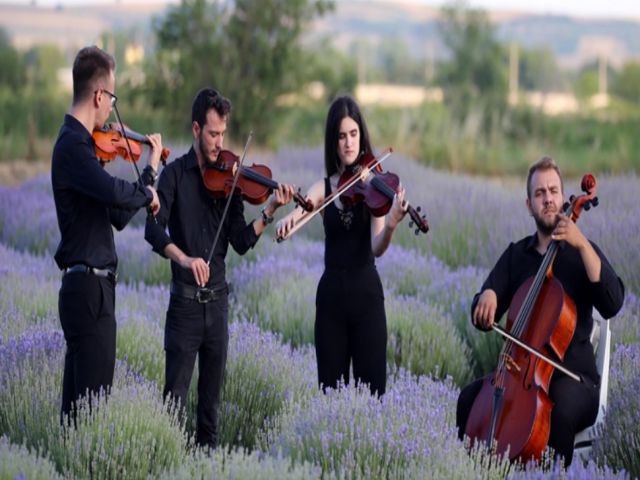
(512, 411)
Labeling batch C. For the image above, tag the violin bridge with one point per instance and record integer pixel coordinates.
(511, 364)
(364, 173)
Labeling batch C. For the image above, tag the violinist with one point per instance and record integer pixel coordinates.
(196, 323)
(586, 277)
(350, 323)
(89, 202)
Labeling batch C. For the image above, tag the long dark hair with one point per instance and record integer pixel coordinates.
(340, 108)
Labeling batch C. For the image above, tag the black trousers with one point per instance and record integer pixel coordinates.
(575, 408)
(197, 329)
(351, 326)
(86, 306)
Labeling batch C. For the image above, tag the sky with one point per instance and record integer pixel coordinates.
(580, 8)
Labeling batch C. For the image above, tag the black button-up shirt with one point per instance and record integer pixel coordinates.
(521, 260)
(88, 200)
(193, 216)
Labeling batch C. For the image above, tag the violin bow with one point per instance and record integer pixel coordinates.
(537, 353)
(334, 195)
(136, 170)
(226, 206)
(126, 139)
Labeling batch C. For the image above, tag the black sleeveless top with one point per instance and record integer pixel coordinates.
(347, 235)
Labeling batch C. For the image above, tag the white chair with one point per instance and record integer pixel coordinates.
(601, 340)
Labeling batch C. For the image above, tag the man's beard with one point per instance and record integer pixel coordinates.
(544, 227)
(205, 155)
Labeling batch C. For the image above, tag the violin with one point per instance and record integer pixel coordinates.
(329, 199)
(377, 191)
(513, 408)
(255, 183)
(111, 143)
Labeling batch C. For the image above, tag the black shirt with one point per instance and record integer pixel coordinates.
(193, 217)
(521, 260)
(347, 235)
(88, 200)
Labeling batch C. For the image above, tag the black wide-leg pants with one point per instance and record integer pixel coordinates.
(351, 326)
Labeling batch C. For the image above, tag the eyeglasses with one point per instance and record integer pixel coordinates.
(114, 99)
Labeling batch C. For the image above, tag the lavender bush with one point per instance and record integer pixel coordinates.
(619, 442)
(130, 434)
(625, 326)
(262, 376)
(576, 471)
(270, 403)
(18, 462)
(423, 340)
(30, 383)
(408, 433)
(238, 464)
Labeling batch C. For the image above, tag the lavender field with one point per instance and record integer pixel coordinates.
(274, 421)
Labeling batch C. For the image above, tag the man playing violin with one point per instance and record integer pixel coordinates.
(89, 202)
(196, 323)
(586, 277)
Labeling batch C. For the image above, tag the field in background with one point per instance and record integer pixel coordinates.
(273, 417)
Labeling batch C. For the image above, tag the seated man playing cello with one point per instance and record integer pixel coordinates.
(584, 276)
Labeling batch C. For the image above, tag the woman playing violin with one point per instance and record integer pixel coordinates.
(350, 316)
(586, 277)
(196, 323)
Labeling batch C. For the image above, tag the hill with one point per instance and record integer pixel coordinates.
(574, 41)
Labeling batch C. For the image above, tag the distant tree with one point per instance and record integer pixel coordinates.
(335, 70)
(538, 70)
(475, 75)
(627, 83)
(396, 62)
(12, 73)
(586, 81)
(43, 63)
(248, 49)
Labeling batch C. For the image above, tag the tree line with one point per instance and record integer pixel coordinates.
(257, 54)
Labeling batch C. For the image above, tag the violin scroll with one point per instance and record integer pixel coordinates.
(586, 200)
(303, 203)
(420, 222)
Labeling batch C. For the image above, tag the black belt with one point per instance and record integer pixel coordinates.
(98, 272)
(200, 294)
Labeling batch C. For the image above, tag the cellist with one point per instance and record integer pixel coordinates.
(587, 278)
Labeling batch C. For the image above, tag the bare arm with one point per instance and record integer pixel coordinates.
(198, 266)
(382, 228)
(280, 197)
(315, 194)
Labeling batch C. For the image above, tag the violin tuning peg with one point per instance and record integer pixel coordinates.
(587, 206)
(411, 224)
(572, 198)
(565, 206)
(595, 202)
(418, 208)
(417, 232)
